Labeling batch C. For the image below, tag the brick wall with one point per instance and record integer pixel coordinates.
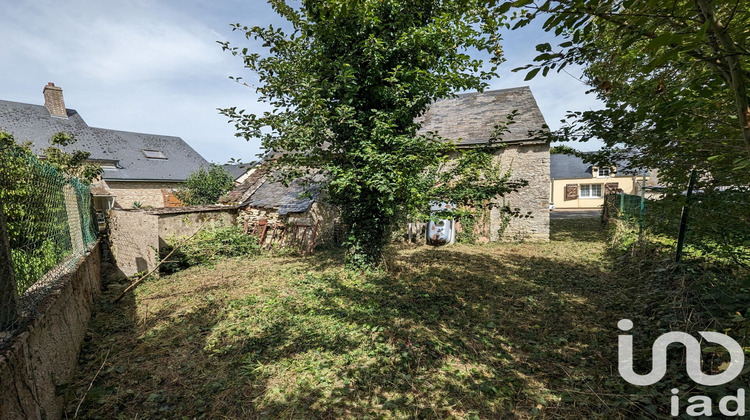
(529, 162)
(149, 194)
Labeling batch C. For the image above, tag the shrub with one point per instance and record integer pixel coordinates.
(209, 246)
(205, 186)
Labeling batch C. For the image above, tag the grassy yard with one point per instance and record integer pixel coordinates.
(490, 331)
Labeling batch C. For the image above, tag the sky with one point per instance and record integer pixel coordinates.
(156, 67)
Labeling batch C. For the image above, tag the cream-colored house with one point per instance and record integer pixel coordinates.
(580, 185)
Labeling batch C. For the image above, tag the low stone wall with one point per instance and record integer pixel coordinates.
(133, 239)
(137, 235)
(43, 353)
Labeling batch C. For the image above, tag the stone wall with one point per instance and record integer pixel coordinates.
(137, 235)
(320, 214)
(149, 194)
(531, 163)
(43, 354)
(134, 239)
(185, 221)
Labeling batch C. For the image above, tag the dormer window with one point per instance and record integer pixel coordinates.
(153, 154)
(604, 171)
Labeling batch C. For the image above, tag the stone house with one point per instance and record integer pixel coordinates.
(470, 120)
(267, 205)
(138, 168)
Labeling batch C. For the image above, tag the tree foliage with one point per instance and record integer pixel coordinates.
(74, 164)
(347, 84)
(205, 186)
(674, 78)
(32, 199)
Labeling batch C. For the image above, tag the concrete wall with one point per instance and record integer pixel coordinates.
(134, 240)
(557, 193)
(149, 194)
(43, 354)
(531, 163)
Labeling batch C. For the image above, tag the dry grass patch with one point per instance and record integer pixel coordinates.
(503, 330)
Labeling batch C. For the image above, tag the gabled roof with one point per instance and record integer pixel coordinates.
(564, 166)
(472, 117)
(236, 169)
(295, 198)
(568, 166)
(33, 123)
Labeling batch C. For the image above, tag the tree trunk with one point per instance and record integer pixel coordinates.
(726, 50)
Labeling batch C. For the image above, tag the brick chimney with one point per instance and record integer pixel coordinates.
(53, 100)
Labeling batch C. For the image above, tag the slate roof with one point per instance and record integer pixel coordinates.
(563, 166)
(568, 166)
(236, 169)
(33, 123)
(472, 117)
(274, 195)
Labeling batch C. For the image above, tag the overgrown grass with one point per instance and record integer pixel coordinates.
(496, 331)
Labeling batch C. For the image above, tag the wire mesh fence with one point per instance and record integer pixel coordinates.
(717, 226)
(626, 207)
(47, 223)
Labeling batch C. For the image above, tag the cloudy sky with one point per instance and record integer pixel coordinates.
(155, 67)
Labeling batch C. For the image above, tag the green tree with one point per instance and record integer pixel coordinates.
(674, 79)
(703, 43)
(205, 186)
(563, 149)
(75, 164)
(348, 83)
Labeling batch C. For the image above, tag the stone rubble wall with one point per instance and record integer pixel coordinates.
(43, 354)
(531, 163)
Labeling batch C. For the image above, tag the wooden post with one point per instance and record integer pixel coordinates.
(8, 285)
(684, 217)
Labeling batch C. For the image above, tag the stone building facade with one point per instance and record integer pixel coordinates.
(147, 194)
(472, 120)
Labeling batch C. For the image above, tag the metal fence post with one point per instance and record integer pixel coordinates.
(643, 207)
(684, 217)
(8, 286)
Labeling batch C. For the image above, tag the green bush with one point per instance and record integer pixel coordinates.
(209, 246)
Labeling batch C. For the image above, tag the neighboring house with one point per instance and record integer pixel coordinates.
(470, 120)
(138, 168)
(580, 185)
(239, 171)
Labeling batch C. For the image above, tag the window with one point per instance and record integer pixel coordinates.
(604, 171)
(153, 154)
(591, 191)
